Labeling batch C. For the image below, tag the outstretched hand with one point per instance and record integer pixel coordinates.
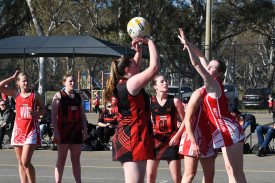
(182, 38)
(137, 46)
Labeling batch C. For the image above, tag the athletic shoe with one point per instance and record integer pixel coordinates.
(261, 151)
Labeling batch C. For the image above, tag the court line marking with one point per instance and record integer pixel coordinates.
(82, 177)
(102, 167)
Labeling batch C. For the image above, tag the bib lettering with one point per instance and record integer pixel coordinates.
(73, 113)
(163, 124)
(24, 112)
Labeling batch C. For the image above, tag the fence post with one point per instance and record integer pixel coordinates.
(78, 81)
(234, 54)
(91, 101)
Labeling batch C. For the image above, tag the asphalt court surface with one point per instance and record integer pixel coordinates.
(98, 167)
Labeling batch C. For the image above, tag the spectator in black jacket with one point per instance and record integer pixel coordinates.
(107, 123)
(6, 119)
(243, 118)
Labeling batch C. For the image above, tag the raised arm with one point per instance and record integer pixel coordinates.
(196, 50)
(211, 83)
(138, 55)
(138, 81)
(9, 91)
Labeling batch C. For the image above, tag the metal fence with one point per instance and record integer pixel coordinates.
(248, 65)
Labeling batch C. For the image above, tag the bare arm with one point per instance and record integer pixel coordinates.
(8, 91)
(40, 103)
(55, 107)
(211, 83)
(84, 121)
(138, 81)
(201, 56)
(193, 105)
(138, 55)
(175, 140)
(102, 124)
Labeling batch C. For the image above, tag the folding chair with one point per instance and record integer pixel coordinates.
(6, 143)
(253, 127)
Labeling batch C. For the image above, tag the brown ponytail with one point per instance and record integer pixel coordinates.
(221, 68)
(117, 72)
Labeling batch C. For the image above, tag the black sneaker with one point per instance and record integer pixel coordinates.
(261, 152)
(264, 151)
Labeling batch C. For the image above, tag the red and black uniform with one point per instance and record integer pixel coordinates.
(133, 139)
(26, 127)
(69, 121)
(165, 127)
(104, 133)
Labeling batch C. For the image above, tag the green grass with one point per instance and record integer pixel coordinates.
(253, 110)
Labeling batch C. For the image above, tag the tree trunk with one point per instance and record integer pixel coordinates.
(42, 61)
(42, 79)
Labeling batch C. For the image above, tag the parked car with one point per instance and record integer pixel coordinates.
(256, 97)
(232, 94)
(180, 92)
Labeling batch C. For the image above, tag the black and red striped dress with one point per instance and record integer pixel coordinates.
(133, 139)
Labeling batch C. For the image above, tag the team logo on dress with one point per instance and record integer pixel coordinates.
(168, 109)
(114, 99)
(73, 108)
(163, 117)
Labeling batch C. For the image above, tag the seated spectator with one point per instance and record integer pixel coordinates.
(6, 119)
(244, 119)
(43, 128)
(45, 122)
(264, 142)
(107, 124)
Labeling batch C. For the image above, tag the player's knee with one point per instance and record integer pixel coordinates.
(151, 178)
(189, 176)
(60, 162)
(177, 179)
(20, 162)
(26, 164)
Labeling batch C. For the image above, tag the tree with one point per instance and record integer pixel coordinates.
(14, 18)
(54, 22)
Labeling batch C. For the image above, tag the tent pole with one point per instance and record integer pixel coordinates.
(73, 60)
(78, 81)
(24, 59)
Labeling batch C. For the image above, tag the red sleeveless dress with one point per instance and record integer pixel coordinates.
(223, 126)
(26, 127)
